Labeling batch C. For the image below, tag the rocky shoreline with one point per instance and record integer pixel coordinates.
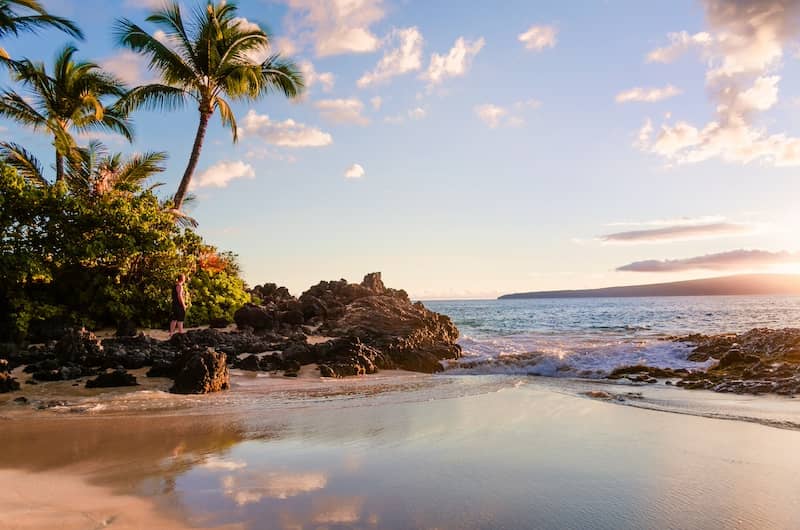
(759, 361)
(345, 329)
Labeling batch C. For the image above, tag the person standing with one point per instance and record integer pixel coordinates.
(178, 306)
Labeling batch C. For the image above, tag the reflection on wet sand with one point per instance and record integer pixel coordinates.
(471, 453)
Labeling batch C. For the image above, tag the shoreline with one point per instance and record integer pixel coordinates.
(142, 469)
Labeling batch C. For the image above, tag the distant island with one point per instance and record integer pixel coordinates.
(743, 284)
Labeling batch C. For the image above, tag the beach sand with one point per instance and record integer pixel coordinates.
(393, 451)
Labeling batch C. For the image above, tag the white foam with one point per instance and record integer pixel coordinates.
(567, 356)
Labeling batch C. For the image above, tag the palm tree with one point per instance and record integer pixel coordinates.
(72, 99)
(32, 18)
(90, 171)
(210, 58)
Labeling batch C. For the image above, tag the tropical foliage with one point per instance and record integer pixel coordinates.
(73, 99)
(89, 242)
(99, 261)
(17, 16)
(216, 55)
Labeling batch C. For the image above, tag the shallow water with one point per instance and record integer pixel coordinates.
(456, 452)
(589, 337)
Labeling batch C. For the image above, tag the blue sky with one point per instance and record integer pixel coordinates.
(508, 140)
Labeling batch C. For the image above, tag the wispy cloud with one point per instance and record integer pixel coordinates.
(311, 77)
(336, 26)
(342, 111)
(403, 56)
(455, 63)
(495, 115)
(732, 260)
(537, 38)
(680, 232)
(355, 171)
(647, 95)
(221, 173)
(287, 133)
(743, 48)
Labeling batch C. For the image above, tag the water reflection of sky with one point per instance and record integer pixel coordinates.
(517, 458)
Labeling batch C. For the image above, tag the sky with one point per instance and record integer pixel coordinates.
(468, 152)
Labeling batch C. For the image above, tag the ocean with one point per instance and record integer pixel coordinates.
(589, 337)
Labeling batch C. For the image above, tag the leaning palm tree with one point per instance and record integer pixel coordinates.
(211, 57)
(73, 99)
(17, 16)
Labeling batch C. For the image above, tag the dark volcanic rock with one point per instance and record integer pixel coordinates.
(126, 328)
(219, 323)
(77, 346)
(756, 362)
(255, 317)
(112, 379)
(7, 383)
(201, 373)
(413, 337)
(250, 363)
(163, 368)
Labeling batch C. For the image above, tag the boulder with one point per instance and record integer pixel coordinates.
(8, 383)
(162, 368)
(253, 316)
(251, 363)
(201, 373)
(112, 379)
(733, 356)
(77, 346)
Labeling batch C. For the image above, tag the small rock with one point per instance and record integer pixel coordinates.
(112, 379)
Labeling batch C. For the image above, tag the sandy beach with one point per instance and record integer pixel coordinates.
(396, 451)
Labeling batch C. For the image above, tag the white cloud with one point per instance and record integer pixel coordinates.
(647, 95)
(342, 111)
(456, 63)
(221, 173)
(405, 56)
(743, 49)
(355, 171)
(417, 113)
(680, 43)
(732, 260)
(283, 45)
(287, 133)
(537, 38)
(376, 102)
(336, 26)
(312, 77)
(129, 67)
(491, 114)
(495, 115)
(145, 4)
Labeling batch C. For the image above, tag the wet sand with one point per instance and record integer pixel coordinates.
(397, 451)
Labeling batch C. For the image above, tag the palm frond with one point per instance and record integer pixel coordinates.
(26, 164)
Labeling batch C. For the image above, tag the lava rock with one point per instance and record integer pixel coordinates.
(219, 323)
(112, 379)
(201, 373)
(255, 317)
(8, 383)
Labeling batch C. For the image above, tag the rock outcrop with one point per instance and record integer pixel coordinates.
(112, 379)
(201, 373)
(366, 327)
(759, 361)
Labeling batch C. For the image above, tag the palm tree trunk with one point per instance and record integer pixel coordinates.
(59, 167)
(195, 156)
